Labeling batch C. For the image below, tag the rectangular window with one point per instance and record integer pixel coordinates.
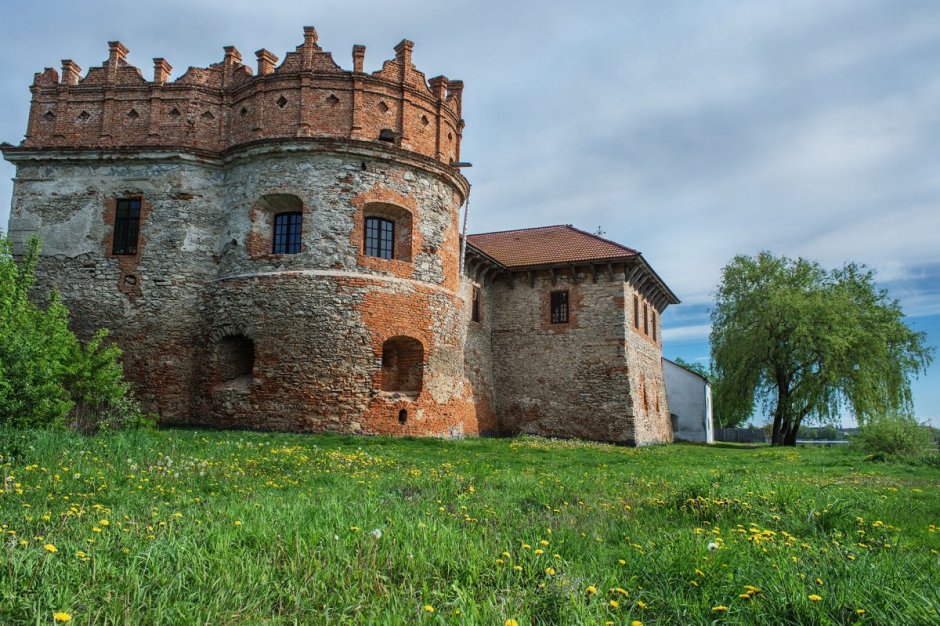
(287, 231)
(559, 307)
(653, 324)
(380, 237)
(126, 226)
(475, 312)
(636, 312)
(646, 319)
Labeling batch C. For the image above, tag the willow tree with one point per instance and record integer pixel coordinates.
(807, 343)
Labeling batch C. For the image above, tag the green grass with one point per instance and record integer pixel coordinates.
(247, 528)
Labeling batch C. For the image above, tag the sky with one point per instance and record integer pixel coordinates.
(692, 131)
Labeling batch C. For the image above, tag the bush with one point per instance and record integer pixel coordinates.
(895, 436)
(48, 378)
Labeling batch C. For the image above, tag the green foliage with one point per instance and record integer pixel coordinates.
(809, 343)
(895, 436)
(47, 377)
(277, 529)
(698, 368)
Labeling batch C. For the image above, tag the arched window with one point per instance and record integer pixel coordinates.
(402, 365)
(287, 230)
(380, 237)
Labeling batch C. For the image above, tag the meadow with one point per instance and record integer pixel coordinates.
(194, 527)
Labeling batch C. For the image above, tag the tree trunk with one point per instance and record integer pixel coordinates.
(781, 411)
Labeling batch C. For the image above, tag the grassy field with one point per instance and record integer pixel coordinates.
(180, 527)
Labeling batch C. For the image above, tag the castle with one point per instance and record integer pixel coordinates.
(280, 249)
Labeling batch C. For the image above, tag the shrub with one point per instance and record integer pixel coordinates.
(894, 436)
(47, 376)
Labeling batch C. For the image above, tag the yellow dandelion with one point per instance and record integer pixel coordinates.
(591, 590)
(621, 562)
(719, 609)
(103, 522)
(744, 596)
(641, 604)
(428, 608)
(510, 622)
(814, 597)
(51, 549)
(614, 604)
(819, 581)
(620, 590)
(518, 568)
(238, 522)
(550, 571)
(636, 622)
(96, 529)
(543, 542)
(859, 611)
(537, 552)
(62, 616)
(499, 561)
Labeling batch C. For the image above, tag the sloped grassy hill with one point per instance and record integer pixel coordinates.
(185, 527)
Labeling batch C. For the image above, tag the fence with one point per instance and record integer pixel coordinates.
(740, 435)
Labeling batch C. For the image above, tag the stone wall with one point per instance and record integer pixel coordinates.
(195, 296)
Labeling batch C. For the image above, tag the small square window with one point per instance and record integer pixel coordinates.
(559, 307)
(126, 226)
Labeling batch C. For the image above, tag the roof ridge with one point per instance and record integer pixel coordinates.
(520, 230)
(604, 239)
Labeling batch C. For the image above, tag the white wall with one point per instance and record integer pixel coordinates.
(690, 400)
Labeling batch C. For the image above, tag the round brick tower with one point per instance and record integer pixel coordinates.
(276, 250)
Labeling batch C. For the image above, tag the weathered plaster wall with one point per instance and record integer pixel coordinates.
(566, 380)
(318, 319)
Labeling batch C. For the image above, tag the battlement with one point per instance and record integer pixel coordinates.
(216, 108)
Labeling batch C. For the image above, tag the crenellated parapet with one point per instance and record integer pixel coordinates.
(214, 109)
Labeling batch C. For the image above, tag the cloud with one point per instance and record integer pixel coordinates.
(687, 333)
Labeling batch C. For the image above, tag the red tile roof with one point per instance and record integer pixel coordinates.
(547, 245)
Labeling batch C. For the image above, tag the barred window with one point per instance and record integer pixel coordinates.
(287, 230)
(126, 226)
(559, 307)
(380, 237)
(475, 310)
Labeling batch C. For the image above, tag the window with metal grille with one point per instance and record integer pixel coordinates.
(287, 230)
(380, 237)
(475, 311)
(559, 307)
(126, 226)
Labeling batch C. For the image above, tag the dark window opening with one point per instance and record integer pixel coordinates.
(126, 226)
(636, 312)
(646, 319)
(380, 237)
(287, 231)
(387, 134)
(402, 416)
(475, 312)
(402, 365)
(235, 359)
(653, 316)
(559, 307)
(646, 398)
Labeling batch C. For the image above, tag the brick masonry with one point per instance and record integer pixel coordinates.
(217, 330)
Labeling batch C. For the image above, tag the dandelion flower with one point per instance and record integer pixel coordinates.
(712, 546)
(51, 549)
(62, 616)
(510, 622)
(543, 542)
(859, 611)
(518, 568)
(550, 571)
(377, 533)
(621, 562)
(814, 597)
(103, 522)
(636, 622)
(537, 552)
(591, 590)
(614, 604)
(428, 608)
(238, 522)
(719, 609)
(819, 581)
(641, 604)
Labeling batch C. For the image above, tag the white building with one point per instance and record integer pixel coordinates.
(690, 403)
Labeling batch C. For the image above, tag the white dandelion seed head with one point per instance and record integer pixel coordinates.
(713, 546)
(377, 533)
